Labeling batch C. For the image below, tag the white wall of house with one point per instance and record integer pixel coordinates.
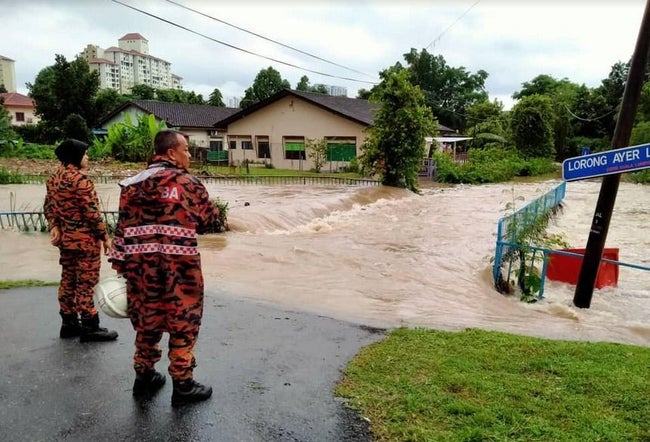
(287, 120)
(198, 136)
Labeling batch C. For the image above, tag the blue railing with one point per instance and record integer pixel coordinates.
(509, 229)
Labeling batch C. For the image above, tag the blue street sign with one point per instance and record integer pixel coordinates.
(628, 159)
(586, 150)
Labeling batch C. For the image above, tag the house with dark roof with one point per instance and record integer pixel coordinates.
(199, 122)
(20, 107)
(278, 130)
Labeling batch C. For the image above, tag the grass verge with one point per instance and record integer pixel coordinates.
(474, 385)
(4, 285)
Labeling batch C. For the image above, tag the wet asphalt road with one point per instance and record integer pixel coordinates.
(272, 372)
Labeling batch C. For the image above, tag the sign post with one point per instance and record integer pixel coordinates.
(628, 159)
(609, 187)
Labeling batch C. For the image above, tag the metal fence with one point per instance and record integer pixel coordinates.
(36, 222)
(236, 180)
(509, 229)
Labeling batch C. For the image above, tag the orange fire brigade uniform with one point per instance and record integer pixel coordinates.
(72, 204)
(162, 209)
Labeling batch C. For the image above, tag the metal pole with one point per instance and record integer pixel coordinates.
(609, 186)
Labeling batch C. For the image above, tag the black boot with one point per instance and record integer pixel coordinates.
(189, 391)
(92, 332)
(70, 327)
(146, 384)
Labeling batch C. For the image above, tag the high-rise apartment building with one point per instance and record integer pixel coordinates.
(130, 64)
(335, 91)
(7, 74)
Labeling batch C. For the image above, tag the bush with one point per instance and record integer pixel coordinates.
(489, 166)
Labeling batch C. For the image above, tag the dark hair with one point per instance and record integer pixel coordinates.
(165, 140)
(71, 151)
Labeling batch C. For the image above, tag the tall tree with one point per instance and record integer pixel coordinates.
(532, 126)
(216, 99)
(108, 100)
(448, 91)
(395, 146)
(63, 89)
(268, 82)
(6, 132)
(143, 92)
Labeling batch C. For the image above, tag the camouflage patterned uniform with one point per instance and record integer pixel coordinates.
(162, 209)
(72, 204)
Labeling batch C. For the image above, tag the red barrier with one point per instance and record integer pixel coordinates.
(567, 268)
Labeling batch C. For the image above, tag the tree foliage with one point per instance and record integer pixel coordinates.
(268, 82)
(216, 99)
(143, 92)
(532, 126)
(395, 146)
(6, 132)
(132, 142)
(63, 89)
(317, 151)
(448, 91)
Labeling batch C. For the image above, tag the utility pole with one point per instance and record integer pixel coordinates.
(609, 186)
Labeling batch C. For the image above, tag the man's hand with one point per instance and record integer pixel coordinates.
(55, 236)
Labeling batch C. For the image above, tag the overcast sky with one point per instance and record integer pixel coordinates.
(513, 41)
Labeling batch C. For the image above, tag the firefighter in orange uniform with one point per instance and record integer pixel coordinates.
(162, 209)
(76, 227)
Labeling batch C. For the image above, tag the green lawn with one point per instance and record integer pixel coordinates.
(12, 284)
(427, 385)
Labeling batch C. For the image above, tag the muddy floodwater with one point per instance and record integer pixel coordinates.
(387, 257)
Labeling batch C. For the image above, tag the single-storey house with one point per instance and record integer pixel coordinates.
(199, 122)
(20, 107)
(277, 130)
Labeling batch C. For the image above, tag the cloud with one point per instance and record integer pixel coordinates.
(512, 41)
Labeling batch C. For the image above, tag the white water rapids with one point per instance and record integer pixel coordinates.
(387, 257)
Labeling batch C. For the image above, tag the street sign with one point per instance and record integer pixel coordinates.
(628, 159)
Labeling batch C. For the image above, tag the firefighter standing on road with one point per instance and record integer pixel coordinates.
(162, 209)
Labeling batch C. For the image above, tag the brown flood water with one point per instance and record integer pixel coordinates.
(387, 257)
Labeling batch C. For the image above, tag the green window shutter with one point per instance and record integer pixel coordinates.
(341, 151)
(294, 146)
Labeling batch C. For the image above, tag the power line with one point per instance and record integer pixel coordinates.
(589, 119)
(238, 48)
(451, 25)
(266, 38)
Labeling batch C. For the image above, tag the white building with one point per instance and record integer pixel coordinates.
(130, 64)
(7, 74)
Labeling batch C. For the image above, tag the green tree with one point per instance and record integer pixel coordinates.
(317, 151)
(143, 92)
(74, 126)
(532, 126)
(3, 89)
(63, 89)
(6, 132)
(108, 100)
(448, 91)
(179, 96)
(395, 146)
(268, 82)
(216, 99)
(640, 134)
(541, 85)
(363, 94)
(303, 84)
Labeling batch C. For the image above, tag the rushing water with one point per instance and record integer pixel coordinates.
(387, 257)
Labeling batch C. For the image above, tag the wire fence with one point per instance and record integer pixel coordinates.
(235, 180)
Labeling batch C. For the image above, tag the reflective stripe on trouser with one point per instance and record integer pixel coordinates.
(79, 275)
(165, 294)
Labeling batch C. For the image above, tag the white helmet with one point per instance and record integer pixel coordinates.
(110, 294)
